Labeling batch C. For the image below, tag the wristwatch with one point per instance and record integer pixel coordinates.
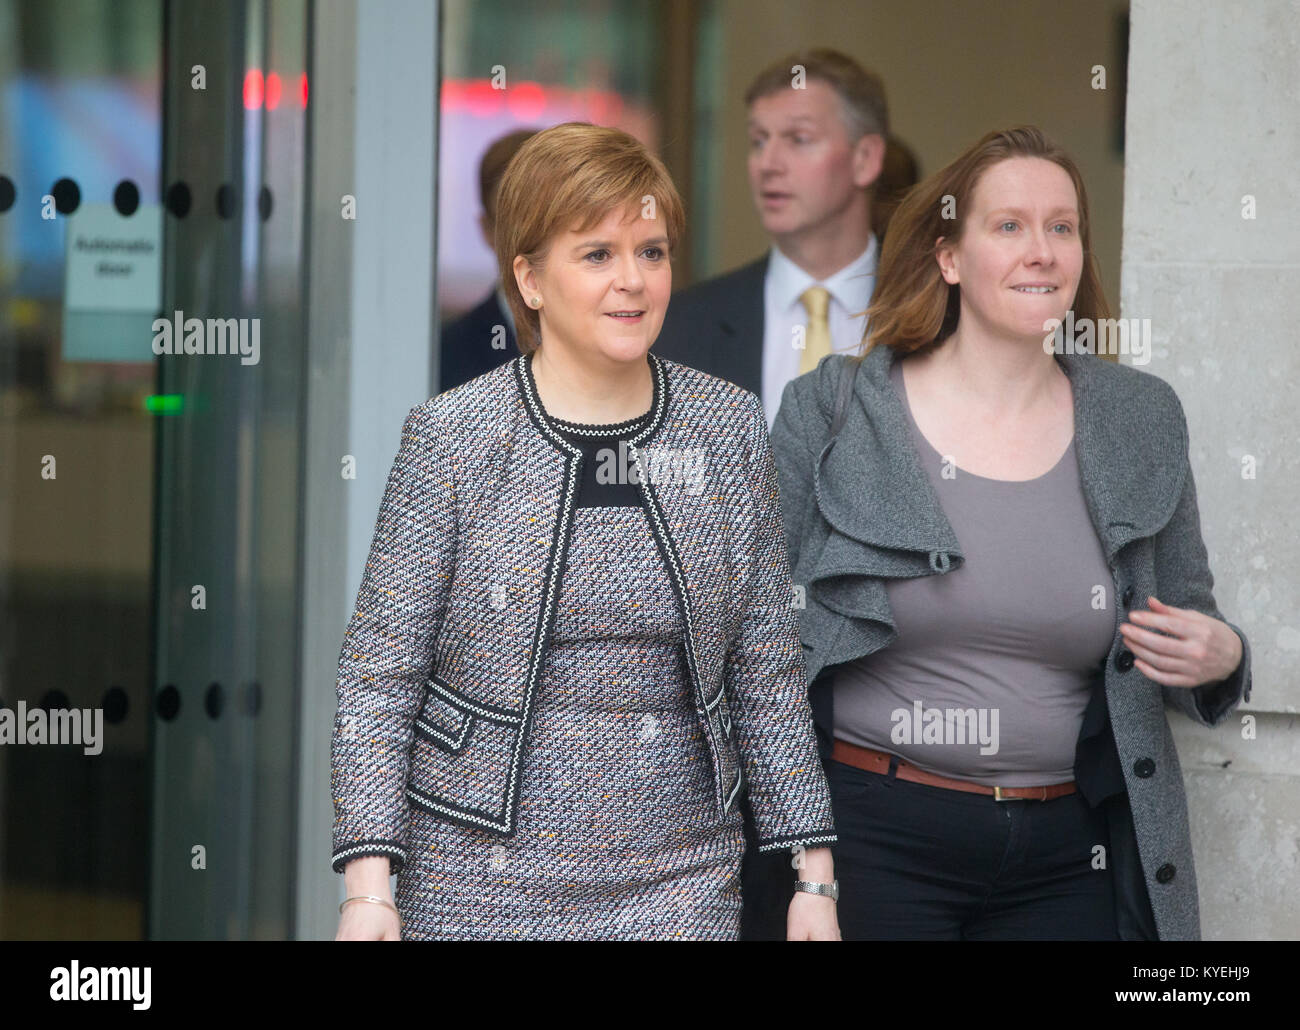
(830, 890)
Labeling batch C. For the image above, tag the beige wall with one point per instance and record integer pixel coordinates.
(952, 72)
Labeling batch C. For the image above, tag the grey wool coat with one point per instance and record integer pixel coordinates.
(861, 509)
(441, 660)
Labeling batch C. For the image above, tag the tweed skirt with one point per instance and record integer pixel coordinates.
(618, 837)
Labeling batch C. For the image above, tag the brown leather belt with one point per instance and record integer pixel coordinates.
(878, 762)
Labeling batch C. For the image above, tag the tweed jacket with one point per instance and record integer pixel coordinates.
(441, 660)
(861, 509)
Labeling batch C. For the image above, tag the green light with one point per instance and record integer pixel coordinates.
(165, 403)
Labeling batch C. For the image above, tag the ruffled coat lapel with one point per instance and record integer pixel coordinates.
(883, 519)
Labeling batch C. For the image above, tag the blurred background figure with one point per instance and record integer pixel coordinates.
(484, 337)
(817, 122)
(900, 173)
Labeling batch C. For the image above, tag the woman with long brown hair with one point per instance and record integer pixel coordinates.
(1006, 585)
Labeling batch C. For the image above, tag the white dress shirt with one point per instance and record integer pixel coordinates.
(850, 289)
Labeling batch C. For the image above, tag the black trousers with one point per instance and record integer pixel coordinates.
(927, 863)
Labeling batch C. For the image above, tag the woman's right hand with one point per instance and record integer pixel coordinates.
(366, 920)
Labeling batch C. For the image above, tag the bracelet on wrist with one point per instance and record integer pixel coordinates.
(375, 901)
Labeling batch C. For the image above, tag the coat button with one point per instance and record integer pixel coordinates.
(1128, 597)
(1145, 768)
(1124, 661)
(1165, 873)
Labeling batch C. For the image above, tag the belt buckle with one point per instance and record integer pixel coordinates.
(999, 796)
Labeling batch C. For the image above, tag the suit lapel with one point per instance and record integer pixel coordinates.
(1132, 478)
(1130, 481)
(885, 519)
(869, 481)
(741, 328)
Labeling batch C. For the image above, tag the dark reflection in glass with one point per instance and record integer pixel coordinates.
(115, 705)
(53, 699)
(126, 198)
(179, 199)
(169, 703)
(67, 196)
(227, 200)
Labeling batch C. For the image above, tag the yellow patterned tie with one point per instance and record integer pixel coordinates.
(817, 342)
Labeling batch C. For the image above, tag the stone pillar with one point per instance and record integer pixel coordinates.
(1211, 255)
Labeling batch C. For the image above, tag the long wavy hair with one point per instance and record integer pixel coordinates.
(912, 307)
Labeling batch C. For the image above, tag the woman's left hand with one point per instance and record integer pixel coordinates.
(811, 917)
(1189, 649)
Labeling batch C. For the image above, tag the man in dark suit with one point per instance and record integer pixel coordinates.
(817, 127)
(483, 337)
(816, 147)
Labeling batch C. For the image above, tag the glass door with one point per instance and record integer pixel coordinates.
(152, 242)
(228, 405)
(80, 138)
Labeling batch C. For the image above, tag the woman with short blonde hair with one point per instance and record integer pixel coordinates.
(575, 645)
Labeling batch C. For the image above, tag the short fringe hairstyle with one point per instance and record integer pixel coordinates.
(569, 178)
